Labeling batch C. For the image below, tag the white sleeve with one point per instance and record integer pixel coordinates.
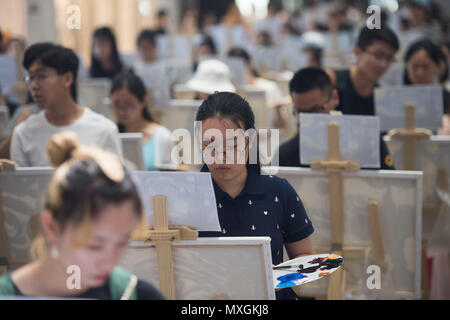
(17, 152)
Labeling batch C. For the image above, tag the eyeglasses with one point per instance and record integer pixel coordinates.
(231, 153)
(381, 57)
(316, 108)
(39, 78)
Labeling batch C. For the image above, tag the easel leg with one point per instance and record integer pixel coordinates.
(165, 269)
(376, 235)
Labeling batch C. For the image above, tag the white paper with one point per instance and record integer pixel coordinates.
(238, 70)
(8, 73)
(359, 138)
(94, 93)
(190, 197)
(390, 106)
(394, 75)
(156, 76)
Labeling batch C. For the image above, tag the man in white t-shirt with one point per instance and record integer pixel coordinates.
(52, 82)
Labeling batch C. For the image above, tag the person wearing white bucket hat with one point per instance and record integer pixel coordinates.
(212, 75)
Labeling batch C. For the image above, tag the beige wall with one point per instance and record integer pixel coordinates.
(122, 16)
(13, 17)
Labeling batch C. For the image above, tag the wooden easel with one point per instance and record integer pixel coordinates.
(163, 236)
(5, 165)
(410, 134)
(335, 166)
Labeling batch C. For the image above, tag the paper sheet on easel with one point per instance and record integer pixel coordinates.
(390, 106)
(358, 135)
(190, 197)
(156, 77)
(8, 75)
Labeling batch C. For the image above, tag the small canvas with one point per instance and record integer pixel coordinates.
(230, 268)
(294, 43)
(129, 59)
(181, 115)
(4, 118)
(180, 70)
(294, 60)
(344, 42)
(190, 197)
(94, 93)
(175, 47)
(162, 47)
(393, 76)
(227, 37)
(359, 138)
(8, 74)
(266, 59)
(156, 77)
(22, 197)
(390, 106)
(238, 70)
(132, 149)
(430, 155)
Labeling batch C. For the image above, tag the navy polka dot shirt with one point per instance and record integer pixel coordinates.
(267, 206)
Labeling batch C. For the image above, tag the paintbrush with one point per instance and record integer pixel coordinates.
(129, 290)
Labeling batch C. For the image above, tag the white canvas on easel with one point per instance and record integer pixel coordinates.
(390, 105)
(233, 268)
(393, 76)
(156, 77)
(181, 114)
(399, 196)
(8, 75)
(22, 198)
(238, 71)
(430, 155)
(265, 59)
(190, 197)
(132, 148)
(94, 93)
(358, 138)
(4, 118)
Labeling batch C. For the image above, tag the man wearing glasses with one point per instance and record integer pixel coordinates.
(52, 83)
(312, 92)
(374, 50)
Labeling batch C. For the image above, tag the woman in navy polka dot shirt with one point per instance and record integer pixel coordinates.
(248, 202)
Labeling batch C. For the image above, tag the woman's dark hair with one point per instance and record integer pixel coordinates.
(209, 42)
(128, 80)
(384, 34)
(96, 69)
(432, 50)
(148, 35)
(232, 106)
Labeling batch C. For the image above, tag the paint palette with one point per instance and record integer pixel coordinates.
(305, 269)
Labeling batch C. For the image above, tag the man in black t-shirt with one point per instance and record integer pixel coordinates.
(374, 50)
(311, 91)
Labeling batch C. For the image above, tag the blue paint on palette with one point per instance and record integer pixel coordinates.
(286, 284)
(292, 277)
(288, 279)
